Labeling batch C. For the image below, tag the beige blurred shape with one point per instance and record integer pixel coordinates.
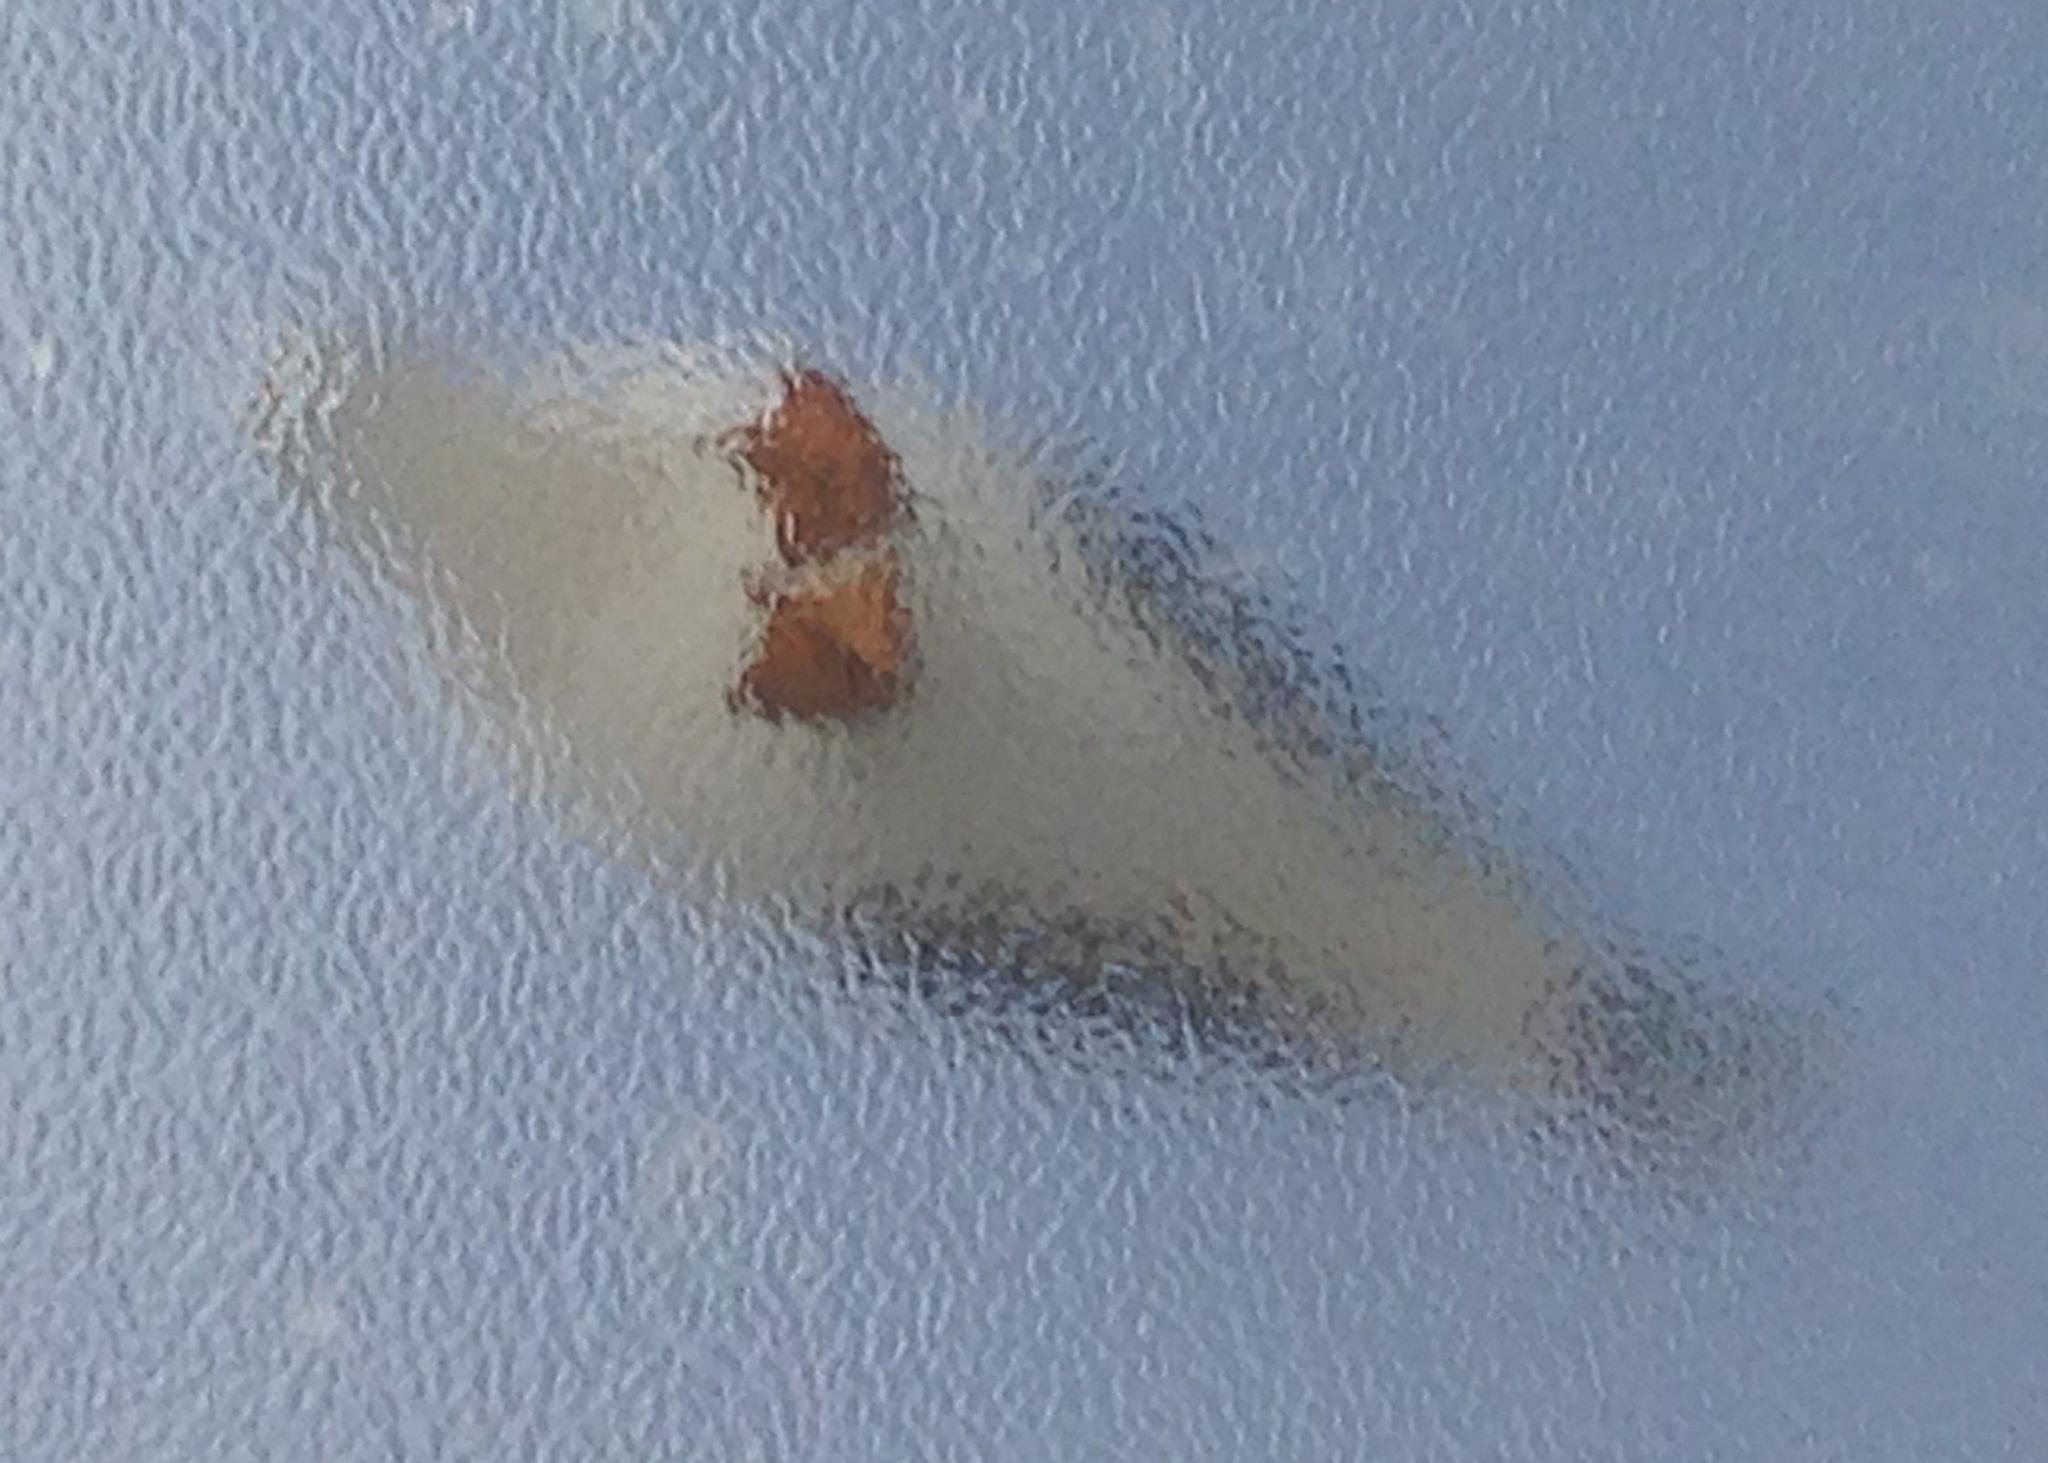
(821, 648)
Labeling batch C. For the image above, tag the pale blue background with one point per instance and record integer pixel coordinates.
(1656, 393)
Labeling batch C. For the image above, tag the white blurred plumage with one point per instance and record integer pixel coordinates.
(1064, 760)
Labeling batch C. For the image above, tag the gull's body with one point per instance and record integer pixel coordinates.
(1054, 757)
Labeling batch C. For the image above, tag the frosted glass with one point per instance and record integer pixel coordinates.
(1439, 865)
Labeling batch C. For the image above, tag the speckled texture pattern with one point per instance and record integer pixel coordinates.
(1652, 396)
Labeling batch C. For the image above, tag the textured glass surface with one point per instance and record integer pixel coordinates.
(1450, 867)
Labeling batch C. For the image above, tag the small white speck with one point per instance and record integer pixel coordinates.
(317, 1318)
(1283, 194)
(611, 20)
(41, 357)
(1162, 56)
(685, 1170)
(657, 157)
(446, 15)
(1158, 30)
(1935, 574)
(703, 1149)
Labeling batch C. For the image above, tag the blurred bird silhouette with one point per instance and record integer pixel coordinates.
(839, 654)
